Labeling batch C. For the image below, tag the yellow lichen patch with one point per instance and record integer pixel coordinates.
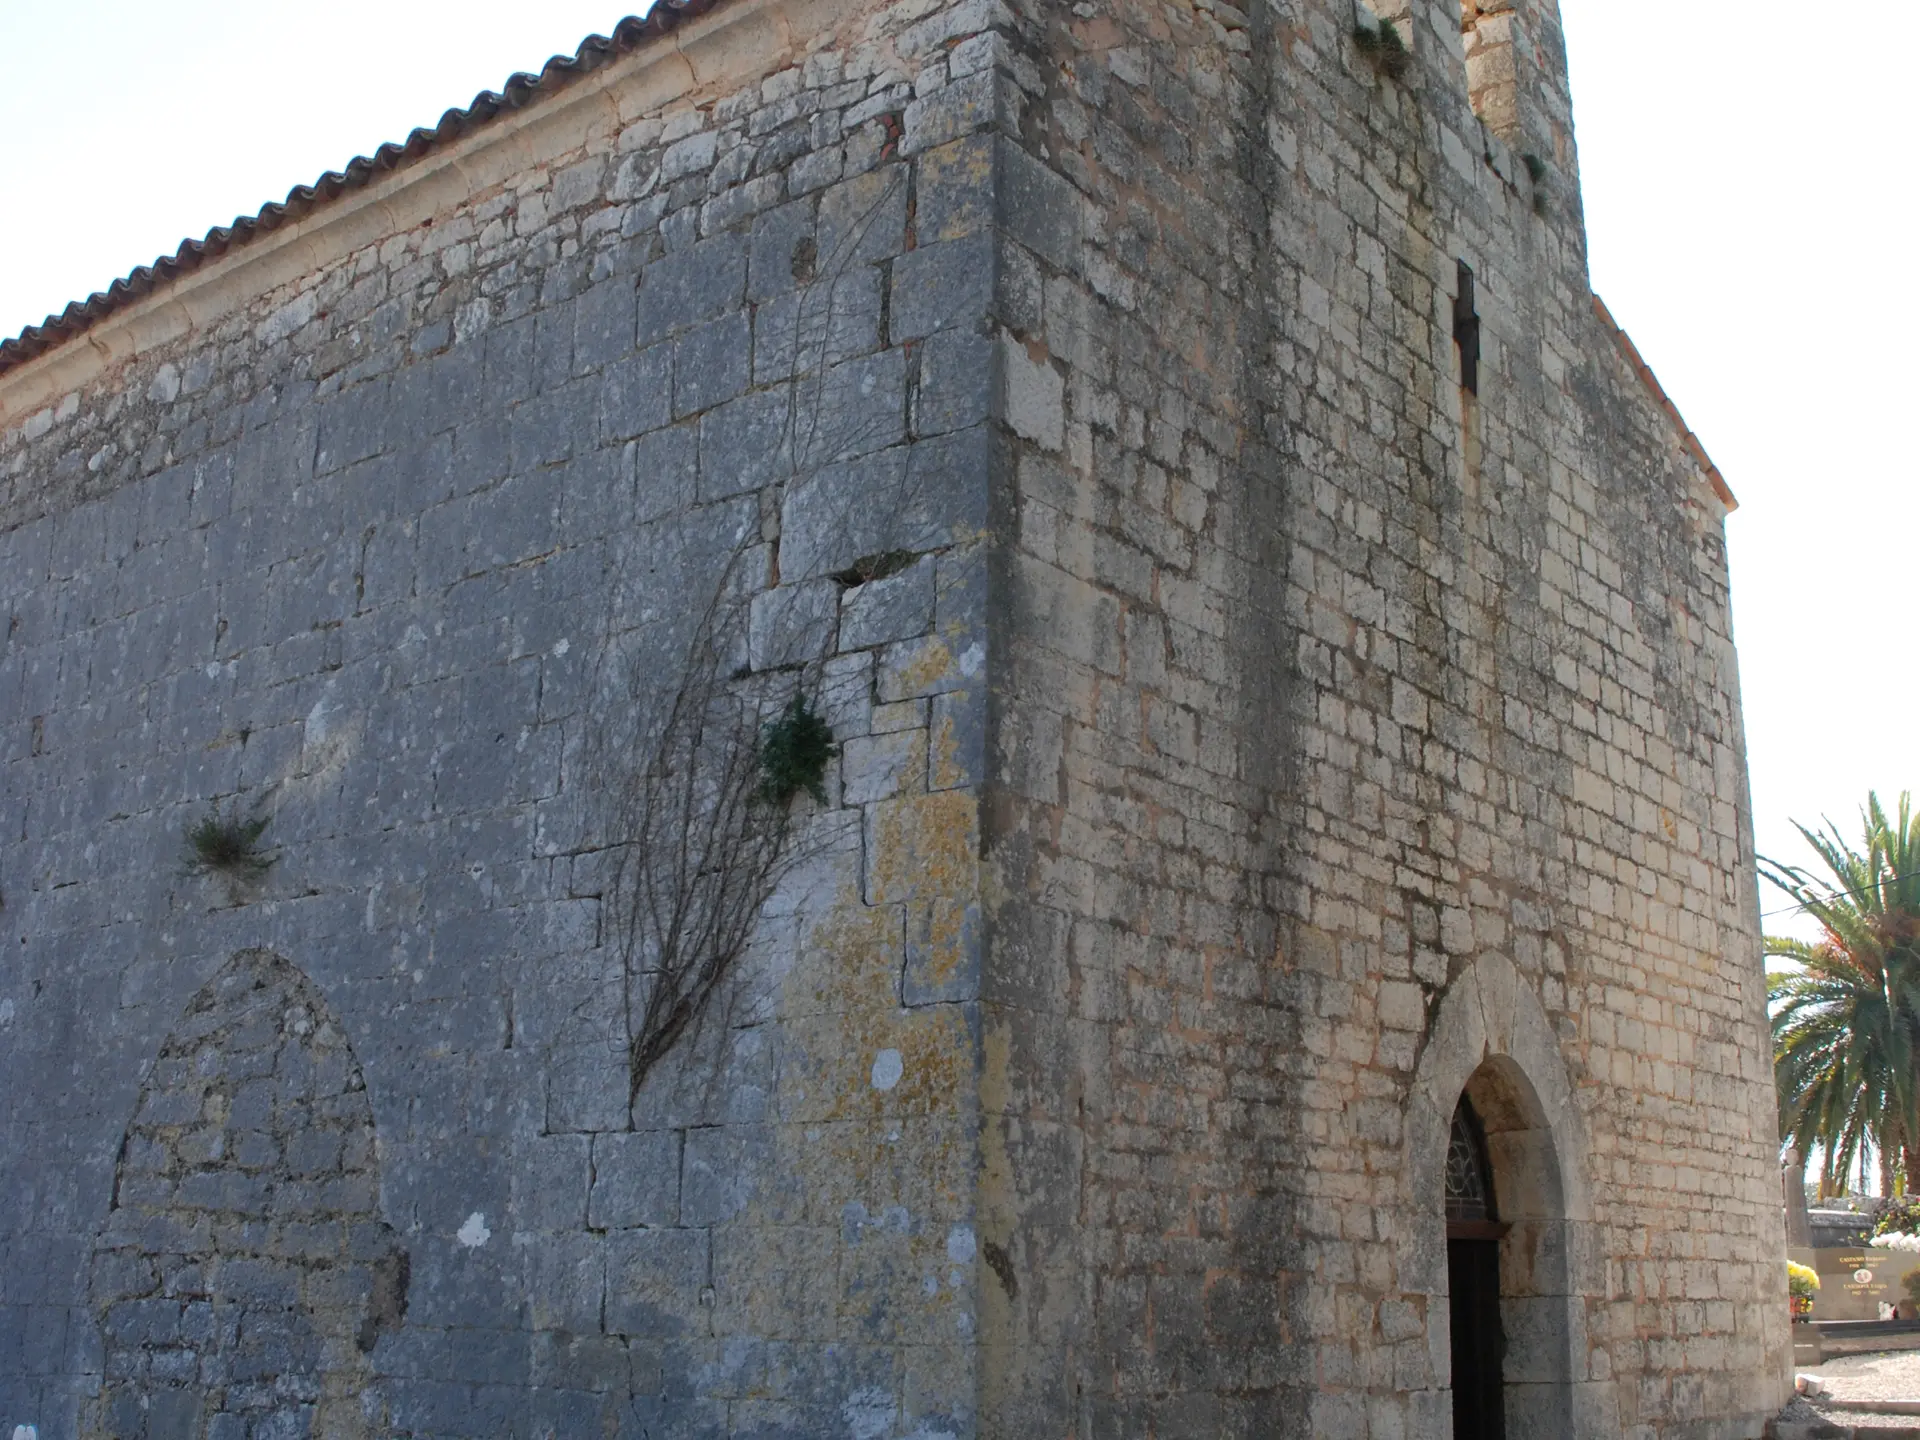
(964, 167)
(945, 770)
(923, 846)
(919, 1164)
(931, 663)
(940, 926)
(876, 1063)
(849, 960)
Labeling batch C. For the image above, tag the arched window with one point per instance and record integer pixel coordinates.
(1469, 1175)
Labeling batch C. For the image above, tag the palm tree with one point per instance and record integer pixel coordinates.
(1846, 1022)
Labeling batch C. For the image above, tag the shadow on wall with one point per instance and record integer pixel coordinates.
(244, 1269)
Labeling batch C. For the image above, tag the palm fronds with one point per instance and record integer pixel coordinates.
(1846, 1019)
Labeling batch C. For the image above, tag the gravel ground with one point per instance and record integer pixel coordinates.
(1894, 1376)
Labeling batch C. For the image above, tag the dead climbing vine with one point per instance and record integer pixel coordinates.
(710, 775)
(706, 841)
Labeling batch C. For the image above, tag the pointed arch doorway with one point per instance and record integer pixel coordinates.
(1474, 1233)
(1492, 1044)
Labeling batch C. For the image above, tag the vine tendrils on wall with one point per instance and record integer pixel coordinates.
(707, 820)
(713, 776)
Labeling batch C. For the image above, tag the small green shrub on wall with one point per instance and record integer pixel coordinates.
(1384, 48)
(218, 844)
(795, 751)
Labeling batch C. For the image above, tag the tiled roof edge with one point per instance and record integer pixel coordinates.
(521, 90)
(1688, 440)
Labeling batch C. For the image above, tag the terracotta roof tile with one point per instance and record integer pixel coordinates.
(520, 90)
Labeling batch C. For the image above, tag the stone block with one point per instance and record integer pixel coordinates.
(922, 847)
(545, 429)
(553, 331)
(666, 469)
(955, 384)
(725, 1166)
(636, 1180)
(711, 365)
(747, 444)
(764, 1283)
(783, 252)
(913, 498)
(1032, 395)
(699, 284)
(895, 607)
(1038, 207)
(878, 767)
(636, 394)
(567, 1282)
(793, 624)
(355, 425)
(859, 406)
(654, 1280)
(806, 330)
(587, 1089)
(551, 1175)
(957, 743)
(603, 324)
(955, 189)
(950, 112)
(942, 286)
(863, 220)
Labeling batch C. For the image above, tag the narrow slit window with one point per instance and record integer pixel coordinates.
(1466, 330)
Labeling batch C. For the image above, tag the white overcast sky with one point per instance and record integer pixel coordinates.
(1751, 205)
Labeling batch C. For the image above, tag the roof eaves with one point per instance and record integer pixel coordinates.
(1688, 440)
(519, 91)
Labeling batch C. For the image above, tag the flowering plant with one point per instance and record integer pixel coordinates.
(1900, 1217)
(1802, 1283)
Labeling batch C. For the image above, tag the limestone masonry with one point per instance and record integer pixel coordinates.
(1276, 642)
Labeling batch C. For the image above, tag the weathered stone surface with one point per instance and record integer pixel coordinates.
(1244, 743)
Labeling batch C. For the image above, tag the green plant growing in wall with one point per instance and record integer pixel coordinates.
(1537, 173)
(1384, 48)
(221, 844)
(795, 750)
(694, 762)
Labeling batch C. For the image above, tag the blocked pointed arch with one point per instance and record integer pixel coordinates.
(244, 1275)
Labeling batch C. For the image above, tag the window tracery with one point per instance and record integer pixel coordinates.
(1469, 1176)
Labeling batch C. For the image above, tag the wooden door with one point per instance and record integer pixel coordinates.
(1479, 1344)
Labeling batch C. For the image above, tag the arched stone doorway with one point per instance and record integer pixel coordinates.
(1509, 1294)
(244, 1273)
(1495, 1156)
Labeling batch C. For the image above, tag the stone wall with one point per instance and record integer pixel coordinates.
(1332, 692)
(1249, 739)
(383, 550)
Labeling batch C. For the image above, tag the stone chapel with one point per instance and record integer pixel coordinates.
(894, 719)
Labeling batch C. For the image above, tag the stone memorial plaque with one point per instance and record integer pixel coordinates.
(1856, 1280)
